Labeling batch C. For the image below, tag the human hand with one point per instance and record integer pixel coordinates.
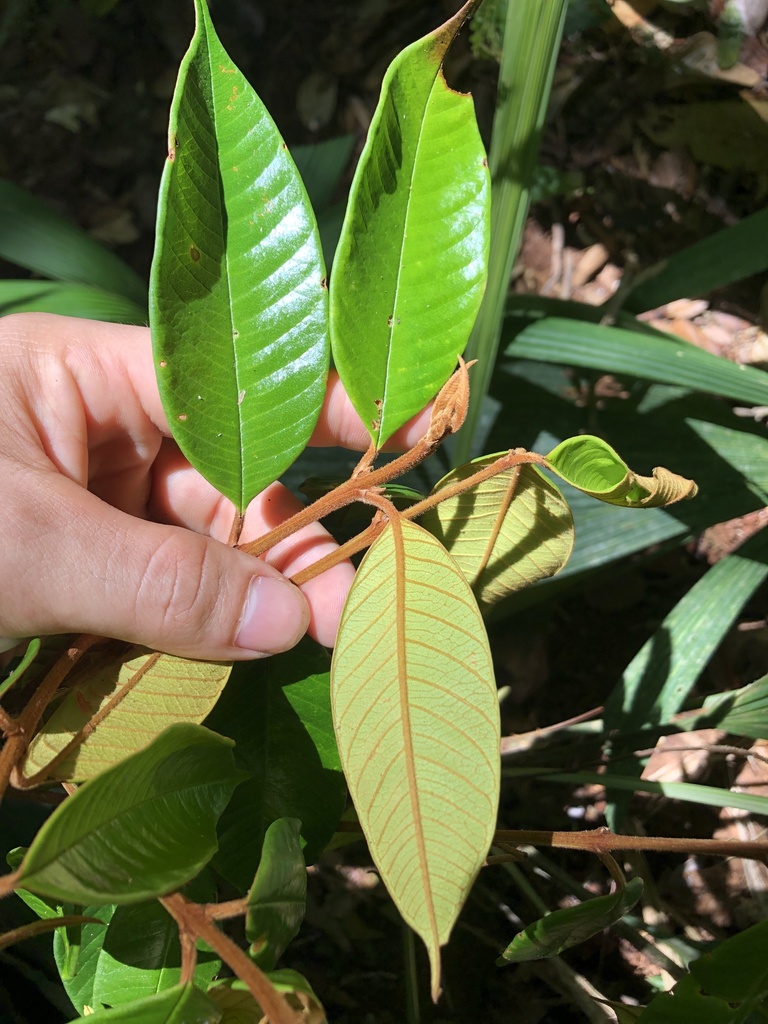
(106, 527)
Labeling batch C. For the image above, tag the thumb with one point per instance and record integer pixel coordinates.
(90, 568)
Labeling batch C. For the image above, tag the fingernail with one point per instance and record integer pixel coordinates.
(275, 616)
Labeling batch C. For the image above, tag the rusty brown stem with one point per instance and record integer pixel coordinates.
(24, 726)
(29, 931)
(514, 457)
(195, 920)
(601, 840)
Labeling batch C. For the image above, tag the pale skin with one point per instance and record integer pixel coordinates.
(107, 529)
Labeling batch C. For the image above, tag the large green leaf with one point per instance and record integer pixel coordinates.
(134, 697)
(417, 722)
(724, 986)
(140, 829)
(278, 712)
(36, 237)
(505, 533)
(183, 1005)
(650, 357)
(133, 954)
(410, 267)
(568, 927)
(277, 899)
(238, 300)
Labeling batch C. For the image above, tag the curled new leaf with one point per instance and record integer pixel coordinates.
(506, 532)
(417, 723)
(591, 465)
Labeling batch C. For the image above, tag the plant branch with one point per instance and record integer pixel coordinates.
(514, 457)
(17, 741)
(194, 919)
(448, 414)
(602, 840)
(29, 931)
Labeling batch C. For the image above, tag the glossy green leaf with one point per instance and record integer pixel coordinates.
(183, 1005)
(714, 262)
(240, 1007)
(723, 987)
(238, 301)
(140, 829)
(591, 465)
(562, 929)
(277, 900)
(417, 722)
(133, 954)
(650, 357)
(127, 701)
(278, 712)
(69, 300)
(504, 533)
(36, 237)
(410, 267)
(33, 648)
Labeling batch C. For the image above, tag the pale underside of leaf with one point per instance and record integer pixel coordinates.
(129, 702)
(506, 532)
(417, 722)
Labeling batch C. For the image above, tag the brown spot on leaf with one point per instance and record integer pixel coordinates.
(194, 254)
(285, 146)
(378, 403)
(485, 161)
(182, 416)
(163, 364)
(390, 320)
(324, 282)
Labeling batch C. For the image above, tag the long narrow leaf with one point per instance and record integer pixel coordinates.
(35, 237)
(727, 256)
(69, 300)
(659, 678)
(709, 796)
(616, 350)
(531, 42)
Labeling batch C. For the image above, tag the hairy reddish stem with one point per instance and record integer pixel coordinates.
(195, 920)
(24, 726)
